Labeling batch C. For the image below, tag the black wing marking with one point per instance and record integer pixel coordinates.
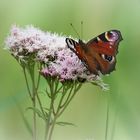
(71, 44)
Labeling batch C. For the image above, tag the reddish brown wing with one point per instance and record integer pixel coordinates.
(79, 48)
(99, 54)
(102, 51)
(75, 47)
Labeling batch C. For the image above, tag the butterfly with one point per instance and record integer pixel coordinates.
(99, 53)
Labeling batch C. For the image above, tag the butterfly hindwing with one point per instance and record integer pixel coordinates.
(104, 49)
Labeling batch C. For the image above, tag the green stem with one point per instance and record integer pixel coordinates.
(54, 88)
(107, 120)
(64, 106)
(56, 114)
(49, 121)
(26, 80)
(52, 97)
(116, 115)
(40, 105)
(34, 119)
(38, 98)
(114, 126)
(31, 68)
(38, 80)
(32, 96)
(52, 128)
(70, 98)
(34, 93)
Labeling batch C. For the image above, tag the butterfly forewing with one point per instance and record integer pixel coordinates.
(76, 48)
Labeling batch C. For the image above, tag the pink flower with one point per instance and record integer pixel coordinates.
(51, 50)
(23, 42)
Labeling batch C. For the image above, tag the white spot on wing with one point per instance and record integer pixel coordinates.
(106, 36)
(98, 39)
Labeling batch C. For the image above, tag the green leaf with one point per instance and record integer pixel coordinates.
(38, 112)
(65, 123)
(46, 108)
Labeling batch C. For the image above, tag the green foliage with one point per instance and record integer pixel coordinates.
(65, 123)
(39, 113)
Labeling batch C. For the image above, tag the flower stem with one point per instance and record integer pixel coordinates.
(107, 120)
(49, 117)
(49, 121)
(52, 128)
(32, 94)
(34, 120)
(69, 98)
(68, 92)
(26, 80)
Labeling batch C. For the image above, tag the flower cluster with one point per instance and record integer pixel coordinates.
(49, 49)
(22, 43)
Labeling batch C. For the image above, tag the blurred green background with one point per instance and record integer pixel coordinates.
(88, 109)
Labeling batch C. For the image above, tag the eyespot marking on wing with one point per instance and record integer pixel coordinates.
(108, 58)
(111, 36)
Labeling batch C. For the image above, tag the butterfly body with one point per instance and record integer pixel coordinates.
(99, 53)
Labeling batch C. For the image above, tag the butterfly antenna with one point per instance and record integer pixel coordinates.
(81, 29)
(74, 30)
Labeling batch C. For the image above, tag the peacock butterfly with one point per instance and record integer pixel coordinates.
(99, 53)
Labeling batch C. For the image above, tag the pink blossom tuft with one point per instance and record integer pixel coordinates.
(51, 50)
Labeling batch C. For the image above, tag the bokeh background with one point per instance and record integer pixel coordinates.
(88, 110)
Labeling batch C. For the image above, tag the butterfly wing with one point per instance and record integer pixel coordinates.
(74, 46)
(79, 48)
(103, 50)
(99, 54)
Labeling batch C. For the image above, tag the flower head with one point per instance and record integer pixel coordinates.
(50, 50)
(24, 42)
